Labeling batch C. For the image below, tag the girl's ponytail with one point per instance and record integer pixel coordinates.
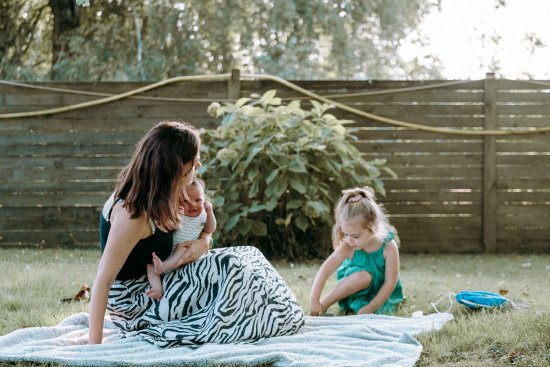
(359, 203)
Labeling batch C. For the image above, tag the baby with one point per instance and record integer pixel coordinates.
(197, 217)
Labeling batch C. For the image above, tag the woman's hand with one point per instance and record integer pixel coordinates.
(194, 250)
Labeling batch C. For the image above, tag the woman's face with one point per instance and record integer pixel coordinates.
(190, 170)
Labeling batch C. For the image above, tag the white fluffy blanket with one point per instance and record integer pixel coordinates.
(366, 340)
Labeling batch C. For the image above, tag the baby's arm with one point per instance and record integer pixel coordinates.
(329, 266)
(391, 254)
(170, 262)
(210, 225)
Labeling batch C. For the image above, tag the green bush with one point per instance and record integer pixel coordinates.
(274, 172)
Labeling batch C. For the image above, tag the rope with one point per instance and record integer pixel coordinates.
(99, 94)
(116, 97)
(397, 122)
(396, 90)
(305, 92)
(209, 100)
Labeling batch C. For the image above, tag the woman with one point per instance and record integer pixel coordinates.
(229, 295)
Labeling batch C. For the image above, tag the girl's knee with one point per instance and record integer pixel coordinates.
(362, 277)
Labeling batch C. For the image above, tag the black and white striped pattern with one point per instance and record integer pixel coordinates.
(229, 295)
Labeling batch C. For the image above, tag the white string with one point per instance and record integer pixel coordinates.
(514, 306)
(448, 295)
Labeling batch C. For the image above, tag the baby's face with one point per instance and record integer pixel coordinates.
(195, 205)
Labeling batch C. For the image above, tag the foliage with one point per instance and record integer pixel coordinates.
(157, 39)
(275, 172)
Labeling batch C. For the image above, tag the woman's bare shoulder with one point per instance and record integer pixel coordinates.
(122, 218)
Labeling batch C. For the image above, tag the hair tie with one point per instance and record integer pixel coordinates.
(355, 198)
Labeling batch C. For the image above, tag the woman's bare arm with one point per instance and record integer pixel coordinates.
(123, 236)
(195, 249)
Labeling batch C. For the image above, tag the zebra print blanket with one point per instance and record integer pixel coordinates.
(366, 340)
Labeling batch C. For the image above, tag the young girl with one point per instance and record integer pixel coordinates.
(366, 256)
(198, 217)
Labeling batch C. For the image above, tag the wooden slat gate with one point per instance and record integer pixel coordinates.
(453, 193)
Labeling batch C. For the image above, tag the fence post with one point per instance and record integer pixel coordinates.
(490, 166)
(234, 84)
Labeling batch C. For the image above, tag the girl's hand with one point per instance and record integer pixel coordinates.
(316, 308)
(365, 310)
(207, 205)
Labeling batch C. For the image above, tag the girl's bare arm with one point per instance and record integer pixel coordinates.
(391, 254)
(327, 268)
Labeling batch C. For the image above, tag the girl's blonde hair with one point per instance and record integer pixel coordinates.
(359, 204)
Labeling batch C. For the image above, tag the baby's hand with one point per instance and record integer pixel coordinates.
(207, 205)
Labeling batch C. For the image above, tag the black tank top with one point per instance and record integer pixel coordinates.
(136, 265)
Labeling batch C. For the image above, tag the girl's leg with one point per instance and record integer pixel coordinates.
(346, 287)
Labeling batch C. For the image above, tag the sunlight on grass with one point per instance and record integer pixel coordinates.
(36, 281)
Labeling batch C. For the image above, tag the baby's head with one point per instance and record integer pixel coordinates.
(359, 205)
(193, 198)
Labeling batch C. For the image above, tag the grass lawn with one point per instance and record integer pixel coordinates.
(35, 280)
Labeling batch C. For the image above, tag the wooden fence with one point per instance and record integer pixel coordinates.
(453, 193)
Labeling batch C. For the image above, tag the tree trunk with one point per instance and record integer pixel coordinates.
(65, 19)
(8, 35)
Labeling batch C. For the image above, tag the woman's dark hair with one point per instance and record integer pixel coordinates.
(151, 182)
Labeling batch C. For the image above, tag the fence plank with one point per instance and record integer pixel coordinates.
(427, 245)
(490, 167)
(234, 85)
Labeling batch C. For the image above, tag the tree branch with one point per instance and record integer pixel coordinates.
(32, 28)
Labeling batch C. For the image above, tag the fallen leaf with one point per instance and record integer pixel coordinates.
(502, 291)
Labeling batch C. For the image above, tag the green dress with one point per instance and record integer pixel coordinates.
(375, 264)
